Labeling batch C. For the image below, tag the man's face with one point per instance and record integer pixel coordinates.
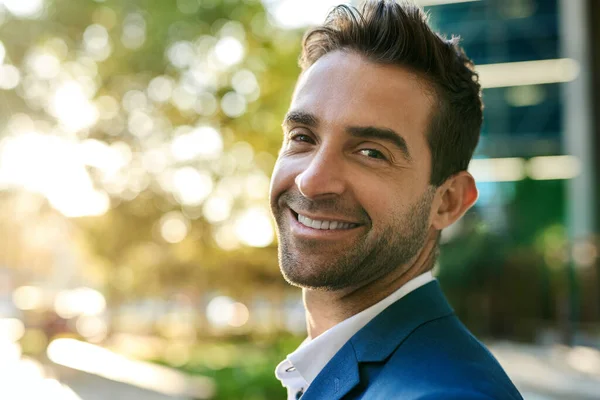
(350, 191)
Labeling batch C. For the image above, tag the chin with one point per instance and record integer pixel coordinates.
(296, 274)
(312, 283)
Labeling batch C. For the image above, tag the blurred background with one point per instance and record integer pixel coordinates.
(137, 138)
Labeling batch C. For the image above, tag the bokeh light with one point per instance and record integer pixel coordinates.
(201, 142)
(2, 52)
(160, 89)
(233, 104)
(97, 42)
(206, 104)
(71, 105)
(134, 31)
(44, 65)
(254, 228)
(226, 238)
(10, 76)
(294, 14)
(239, 315)
(25, 8)
(11, 329)
(244, 82)
(174, 227)
(50, 165)
(140, 124)
(229, 51)
(191, 186)
(92, 328)
(181, 54)
(223, 311)
(78, 302)
(218, 207)
(28, 298)
(95, 38)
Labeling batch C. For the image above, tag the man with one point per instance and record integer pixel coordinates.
(382, 126)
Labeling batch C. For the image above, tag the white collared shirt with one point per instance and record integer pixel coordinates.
(302, 366)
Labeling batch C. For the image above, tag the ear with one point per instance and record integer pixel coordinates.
(453, 198)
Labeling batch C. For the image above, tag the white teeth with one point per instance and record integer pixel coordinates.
(323, 225)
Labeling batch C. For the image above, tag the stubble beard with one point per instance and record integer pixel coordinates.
(368, 260)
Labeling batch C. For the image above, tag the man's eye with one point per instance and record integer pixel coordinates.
(301, 137)
(371, 153)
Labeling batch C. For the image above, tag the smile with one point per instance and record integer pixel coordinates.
(324, 225)
(322, 228)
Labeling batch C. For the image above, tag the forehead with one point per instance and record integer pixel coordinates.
(343, 88)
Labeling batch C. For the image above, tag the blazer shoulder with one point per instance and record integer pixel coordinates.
(456, 395)
(441, 360)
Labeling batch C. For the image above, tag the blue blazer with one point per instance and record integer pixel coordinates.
(416, 349)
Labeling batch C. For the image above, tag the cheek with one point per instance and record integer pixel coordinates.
(377, 200)
(381, 210)
(384, 202)
(281, 179)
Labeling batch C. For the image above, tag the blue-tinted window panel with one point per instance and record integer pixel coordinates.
(541, 119)
(488, 36)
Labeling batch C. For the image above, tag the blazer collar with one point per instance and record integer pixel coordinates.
(378, 339)
(338, 377)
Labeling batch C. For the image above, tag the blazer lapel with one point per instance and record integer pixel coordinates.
(338, 377)
(377, 340)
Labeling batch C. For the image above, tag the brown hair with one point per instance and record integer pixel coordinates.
(388, 32)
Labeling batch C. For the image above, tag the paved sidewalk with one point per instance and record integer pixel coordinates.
(553, 372)
(540, 373)
(92, 387)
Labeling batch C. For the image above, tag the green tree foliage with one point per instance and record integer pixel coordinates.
(206, 54)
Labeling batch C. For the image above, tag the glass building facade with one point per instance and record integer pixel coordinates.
(519, 121)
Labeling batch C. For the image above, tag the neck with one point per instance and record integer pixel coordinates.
(325, 309)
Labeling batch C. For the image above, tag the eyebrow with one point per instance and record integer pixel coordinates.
(388, 135)
(301, 117)
(365, 132)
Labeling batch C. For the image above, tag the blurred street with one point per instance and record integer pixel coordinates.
(541, 373)
(79, 371)
(91, 387)
(551, 373)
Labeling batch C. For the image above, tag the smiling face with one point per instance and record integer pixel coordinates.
(350, 191)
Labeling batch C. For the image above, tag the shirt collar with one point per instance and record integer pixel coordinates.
(312, 355)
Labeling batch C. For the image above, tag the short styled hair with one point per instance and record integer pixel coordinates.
(389, 32)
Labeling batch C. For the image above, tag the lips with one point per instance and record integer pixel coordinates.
(326, 228)
(323, 218)
(324, 224)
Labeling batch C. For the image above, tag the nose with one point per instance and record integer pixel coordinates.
(323, 176)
